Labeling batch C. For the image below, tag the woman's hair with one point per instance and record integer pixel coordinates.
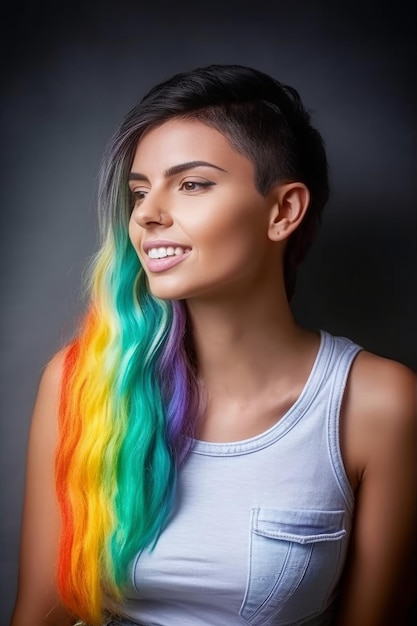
(129, 394)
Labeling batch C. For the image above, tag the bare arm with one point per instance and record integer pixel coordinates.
(379, 449)
(37, 601)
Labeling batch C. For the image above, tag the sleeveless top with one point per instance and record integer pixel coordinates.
(260, 528)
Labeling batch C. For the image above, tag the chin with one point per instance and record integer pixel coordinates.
(167, 292)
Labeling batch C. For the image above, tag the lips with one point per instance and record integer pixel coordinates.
(163, 255)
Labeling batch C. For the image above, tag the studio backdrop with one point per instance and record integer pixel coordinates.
(72, 70)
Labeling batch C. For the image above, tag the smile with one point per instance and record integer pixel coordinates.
(162, 252)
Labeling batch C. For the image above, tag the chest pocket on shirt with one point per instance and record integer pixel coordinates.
(294, 559)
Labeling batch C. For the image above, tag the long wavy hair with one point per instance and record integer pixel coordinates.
(129, 394)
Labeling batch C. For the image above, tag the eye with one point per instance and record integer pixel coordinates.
(195, 185)
(137, 196)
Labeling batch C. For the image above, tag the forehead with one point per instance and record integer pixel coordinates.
(181, 140)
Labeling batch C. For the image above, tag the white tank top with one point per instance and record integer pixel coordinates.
(260, 528)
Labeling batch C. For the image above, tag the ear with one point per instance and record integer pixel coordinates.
(289, 205)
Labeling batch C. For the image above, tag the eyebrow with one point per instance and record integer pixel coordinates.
(177, 169)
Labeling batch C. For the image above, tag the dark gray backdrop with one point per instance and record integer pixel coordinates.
(71, 71)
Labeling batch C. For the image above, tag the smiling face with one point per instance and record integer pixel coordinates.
(199, 226)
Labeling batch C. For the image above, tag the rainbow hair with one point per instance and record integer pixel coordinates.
(126, 400)
(129, 393)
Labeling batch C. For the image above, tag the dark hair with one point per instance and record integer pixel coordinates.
(262, 118)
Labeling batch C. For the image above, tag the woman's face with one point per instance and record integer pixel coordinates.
(199, 225)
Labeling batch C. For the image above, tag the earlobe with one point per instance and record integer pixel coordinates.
(290, 203)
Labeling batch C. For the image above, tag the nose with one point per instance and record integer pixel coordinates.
(149, 212)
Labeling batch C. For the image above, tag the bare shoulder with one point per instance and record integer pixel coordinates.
(382, 388)
(380, 409)
(52, 373)
(51, 379)
(44, 423)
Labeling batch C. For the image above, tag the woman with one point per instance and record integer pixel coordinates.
(196, 456)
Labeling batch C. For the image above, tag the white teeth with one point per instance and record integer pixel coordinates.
(162, 252)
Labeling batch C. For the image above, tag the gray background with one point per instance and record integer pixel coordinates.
(70, 71)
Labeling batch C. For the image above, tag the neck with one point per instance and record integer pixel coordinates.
(242, 344)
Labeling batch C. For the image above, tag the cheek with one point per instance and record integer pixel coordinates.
(224, 216)
(240, 228)
(233, 247)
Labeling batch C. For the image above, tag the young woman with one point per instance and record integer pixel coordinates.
(197, 457)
